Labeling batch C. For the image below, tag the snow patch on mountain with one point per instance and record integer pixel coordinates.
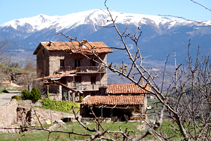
(96, 17)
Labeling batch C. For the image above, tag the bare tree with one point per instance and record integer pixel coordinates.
(199, 22)
(29, 75)
(4, 43)
(185, 104)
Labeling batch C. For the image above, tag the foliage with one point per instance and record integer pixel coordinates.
(15, 97)
(35, 93)
(5, 91)
(7, 68)
(81, 97)
(63, 106)
(25, 94)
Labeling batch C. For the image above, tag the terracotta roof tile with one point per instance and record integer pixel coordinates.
(75, 47)
(114, 100)
(59, 75)
(126, 89)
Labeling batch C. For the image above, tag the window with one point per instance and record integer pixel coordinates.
(93, 80)
(77, 63)
(78, 79)
(63, 80)
(92, 63)
(61, 64)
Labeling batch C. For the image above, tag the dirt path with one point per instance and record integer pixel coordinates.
(6, 97)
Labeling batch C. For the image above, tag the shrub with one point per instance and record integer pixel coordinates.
(81, 97)
(15, 97)
(25, 94)
(5, 91)
(63, 106)
(36, 95)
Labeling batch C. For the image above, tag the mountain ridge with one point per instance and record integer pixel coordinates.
(160, 35)
(85, 17)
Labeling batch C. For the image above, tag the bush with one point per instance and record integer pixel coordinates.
(5, 91)
(36, 95)
(63, 106)
(15, 97)
(25, 94)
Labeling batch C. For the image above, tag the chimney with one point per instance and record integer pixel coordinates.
(50, 43)
(102, 90)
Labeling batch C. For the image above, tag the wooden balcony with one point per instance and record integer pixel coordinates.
(86, 87)
(91, 69)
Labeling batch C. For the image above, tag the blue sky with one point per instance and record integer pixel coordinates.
(16, 9)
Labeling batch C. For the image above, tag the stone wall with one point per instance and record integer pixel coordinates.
(8, 114)
(42, 63)
(14, 114)
(30, 116)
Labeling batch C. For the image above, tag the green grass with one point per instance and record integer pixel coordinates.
(166, 128)
(36, 135)
(42, 135)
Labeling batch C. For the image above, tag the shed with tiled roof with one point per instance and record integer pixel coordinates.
(112, 100)
(126, 89)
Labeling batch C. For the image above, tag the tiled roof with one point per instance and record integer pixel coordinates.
(59, 75)
(126, 89)
(113, 100)
(75, 47)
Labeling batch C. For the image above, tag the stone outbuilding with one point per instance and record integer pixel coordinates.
(121, 100)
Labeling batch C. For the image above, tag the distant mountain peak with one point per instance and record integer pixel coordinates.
(93, 17)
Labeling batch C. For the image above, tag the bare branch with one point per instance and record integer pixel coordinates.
(200, 5)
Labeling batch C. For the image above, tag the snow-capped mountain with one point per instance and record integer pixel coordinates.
(160, 35)
(95, 17)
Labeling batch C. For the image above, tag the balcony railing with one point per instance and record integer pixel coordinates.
(90, 69)
(87, 87)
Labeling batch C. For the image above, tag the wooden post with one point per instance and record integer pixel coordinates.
(73, 96)
(102, 112)
(68, 93)
(60, 93)
(111, 113)
(100, 80)
(47, 87)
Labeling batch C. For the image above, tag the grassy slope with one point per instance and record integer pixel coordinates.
(40, 135)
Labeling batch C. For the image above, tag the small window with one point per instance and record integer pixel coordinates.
(92, 63)
(78, 79)
(93, 80)
(63, 80)
(77, 63)
(61, 64)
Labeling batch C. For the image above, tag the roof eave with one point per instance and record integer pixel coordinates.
(38, 48)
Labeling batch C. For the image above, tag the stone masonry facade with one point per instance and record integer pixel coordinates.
(17, 113)
(8, 114)
(88, 77)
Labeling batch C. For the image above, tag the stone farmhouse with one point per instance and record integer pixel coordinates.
(69, 71)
